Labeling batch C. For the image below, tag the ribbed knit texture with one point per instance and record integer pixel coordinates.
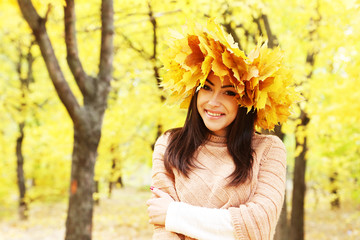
(254, 206)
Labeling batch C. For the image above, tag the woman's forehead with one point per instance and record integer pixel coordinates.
(227, 82)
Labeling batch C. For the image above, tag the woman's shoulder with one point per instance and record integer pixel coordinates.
(160, 145)
(165, 137)
(266, 142)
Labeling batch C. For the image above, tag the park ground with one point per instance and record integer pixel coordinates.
(124, 217)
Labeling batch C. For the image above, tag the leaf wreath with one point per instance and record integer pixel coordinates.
(261, 79)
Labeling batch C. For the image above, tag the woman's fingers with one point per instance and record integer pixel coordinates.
(148, 202)
(159, 193)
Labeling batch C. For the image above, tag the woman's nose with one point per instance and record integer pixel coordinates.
(214, 99)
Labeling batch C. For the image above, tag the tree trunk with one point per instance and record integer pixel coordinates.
(87, 134)
(80, 211)
(335, 202)
(299, 189)
(24, 86)
(115, 168)
(23, 207)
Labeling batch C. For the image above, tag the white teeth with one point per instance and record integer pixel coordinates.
(213, 114)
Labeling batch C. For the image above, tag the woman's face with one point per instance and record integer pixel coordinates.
(217, 105)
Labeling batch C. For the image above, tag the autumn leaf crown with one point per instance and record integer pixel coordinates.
(261, 79)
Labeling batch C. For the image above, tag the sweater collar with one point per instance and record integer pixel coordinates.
(217, 139)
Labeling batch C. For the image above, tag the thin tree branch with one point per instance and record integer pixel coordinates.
(37, 24)
(48, 11)
(156, 15)
(71, 46)
(30, 60)
(257, 21)
(141, 51)
(154, 24)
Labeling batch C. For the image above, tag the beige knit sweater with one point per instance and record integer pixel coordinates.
(254, 206)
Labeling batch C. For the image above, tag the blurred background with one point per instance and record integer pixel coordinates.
(320, 39)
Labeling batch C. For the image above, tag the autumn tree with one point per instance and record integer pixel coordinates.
(18, 102)
(23, 65)
(87, 118)
(24, 87)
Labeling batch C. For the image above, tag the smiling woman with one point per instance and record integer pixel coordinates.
(215, 177)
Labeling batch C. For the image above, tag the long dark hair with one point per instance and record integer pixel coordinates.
(183, 142)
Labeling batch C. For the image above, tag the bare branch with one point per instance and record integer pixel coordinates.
(71, 46)
(37, 24)
(107, 35)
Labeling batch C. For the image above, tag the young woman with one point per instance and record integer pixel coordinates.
(216, 178)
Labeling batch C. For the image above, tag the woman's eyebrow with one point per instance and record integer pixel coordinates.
(226, 86)
(210, 82)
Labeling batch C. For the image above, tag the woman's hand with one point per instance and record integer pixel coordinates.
(158, 206)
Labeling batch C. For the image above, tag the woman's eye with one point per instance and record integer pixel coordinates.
(230, 93)
(206, 87)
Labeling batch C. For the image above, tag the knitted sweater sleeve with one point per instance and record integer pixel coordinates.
(163, 180)
(258, 217)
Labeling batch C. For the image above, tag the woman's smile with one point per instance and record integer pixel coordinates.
(213, 114)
